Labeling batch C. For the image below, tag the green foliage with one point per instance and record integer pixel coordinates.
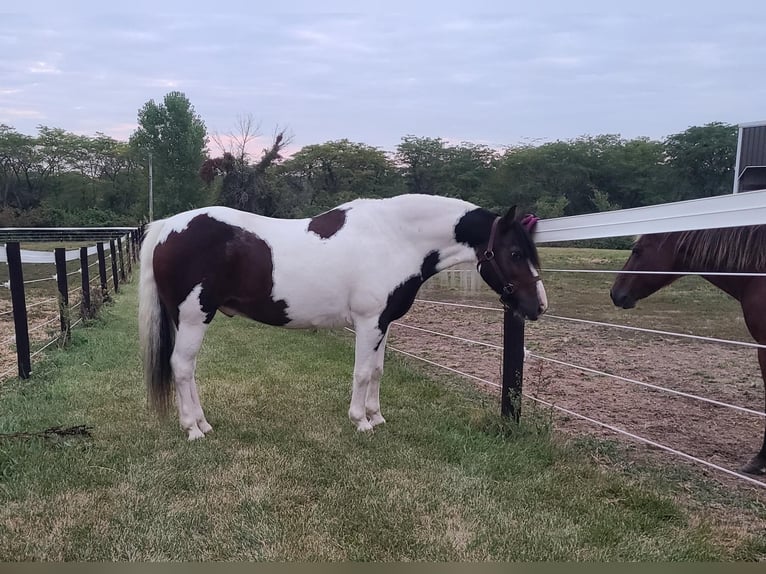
(58, 176)
(175, 136)
(334, 172)
(701, 160)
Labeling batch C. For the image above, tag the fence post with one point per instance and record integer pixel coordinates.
(114, 265)
(18, 300)
(85, 275)
(513, 365)
(61, 281)
(102, 270)
(128, 256)
(122, 262)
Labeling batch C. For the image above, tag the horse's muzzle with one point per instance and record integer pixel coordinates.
(622, 299)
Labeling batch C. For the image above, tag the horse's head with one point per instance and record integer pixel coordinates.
(655, 252)
(509, 264)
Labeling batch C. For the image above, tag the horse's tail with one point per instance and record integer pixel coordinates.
(155, 329)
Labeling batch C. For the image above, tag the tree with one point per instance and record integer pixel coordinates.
(422, 161)
(176, 138)
(249, 186)
(334, 172)
(701, 160)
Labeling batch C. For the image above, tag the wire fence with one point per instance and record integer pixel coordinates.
(581, 368)
(67, 302)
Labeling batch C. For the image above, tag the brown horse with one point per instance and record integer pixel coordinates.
(731, 250)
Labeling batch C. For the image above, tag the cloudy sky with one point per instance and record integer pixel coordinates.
(496, 72)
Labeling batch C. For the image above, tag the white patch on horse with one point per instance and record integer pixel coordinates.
(541, 295)
(191, 331)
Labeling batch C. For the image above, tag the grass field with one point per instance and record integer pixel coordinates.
(285, 476)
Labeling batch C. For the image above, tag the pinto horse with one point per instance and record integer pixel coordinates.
(359, 264)
(731, 250)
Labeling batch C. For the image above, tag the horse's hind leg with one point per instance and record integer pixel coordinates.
(368, 366)
(191, 331)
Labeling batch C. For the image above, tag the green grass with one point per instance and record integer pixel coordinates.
(284, 476)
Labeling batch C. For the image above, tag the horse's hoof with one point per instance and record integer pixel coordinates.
(364, 426)
(756, 466)
(377, 419)
(194, 434)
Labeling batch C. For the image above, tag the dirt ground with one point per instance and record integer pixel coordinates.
(722, 372)
(44, 325)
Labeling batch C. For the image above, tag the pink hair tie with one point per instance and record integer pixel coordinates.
(529, 221)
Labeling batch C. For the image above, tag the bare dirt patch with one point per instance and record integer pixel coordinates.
(725, 373)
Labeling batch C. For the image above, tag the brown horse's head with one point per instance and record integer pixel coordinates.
(655, 252)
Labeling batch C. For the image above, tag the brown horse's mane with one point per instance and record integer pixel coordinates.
(735, 249)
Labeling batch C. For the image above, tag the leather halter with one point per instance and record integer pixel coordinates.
(489, 256)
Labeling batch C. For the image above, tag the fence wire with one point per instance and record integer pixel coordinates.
(601, 424)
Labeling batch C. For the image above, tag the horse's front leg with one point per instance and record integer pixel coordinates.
(757, 464)
(368, 367)
(372, 401)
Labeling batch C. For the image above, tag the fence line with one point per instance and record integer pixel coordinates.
(30, 281)
(621, 272)
(679, 273)
(121, 264)
(601, 324)
(43, 302)
(597, 422)
(48, 344)
(596, 372)
(656, 331)
(41, 325)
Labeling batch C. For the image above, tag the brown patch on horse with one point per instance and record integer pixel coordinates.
(327, 224)
(735, 249)
(234, 266)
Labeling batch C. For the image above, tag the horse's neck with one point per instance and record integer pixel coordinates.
(731, 285)
(431, 225)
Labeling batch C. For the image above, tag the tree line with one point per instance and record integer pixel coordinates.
(60, 178)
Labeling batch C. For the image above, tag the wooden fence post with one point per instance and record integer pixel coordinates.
(102, 270)
(85, 275)
(513, 365)
(113, 253)
(122, 261)
(61, 281)
(19, 302)
(128, 256)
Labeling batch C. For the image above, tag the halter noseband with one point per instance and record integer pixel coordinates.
(489, 256)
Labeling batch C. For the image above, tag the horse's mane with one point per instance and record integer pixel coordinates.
(735, 249)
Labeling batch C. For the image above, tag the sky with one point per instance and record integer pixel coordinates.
(494, 72)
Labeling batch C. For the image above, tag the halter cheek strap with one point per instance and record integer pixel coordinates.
(489, 256)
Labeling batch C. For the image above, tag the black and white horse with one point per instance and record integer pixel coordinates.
(360, 264)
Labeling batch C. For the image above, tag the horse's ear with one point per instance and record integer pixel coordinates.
(509, 217)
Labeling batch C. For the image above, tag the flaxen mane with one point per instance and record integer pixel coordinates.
(735, 249)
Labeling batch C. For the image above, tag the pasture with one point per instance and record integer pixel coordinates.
(285, 476)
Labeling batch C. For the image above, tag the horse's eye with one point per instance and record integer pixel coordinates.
(516, 255)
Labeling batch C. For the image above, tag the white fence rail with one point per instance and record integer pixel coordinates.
(712, 212)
